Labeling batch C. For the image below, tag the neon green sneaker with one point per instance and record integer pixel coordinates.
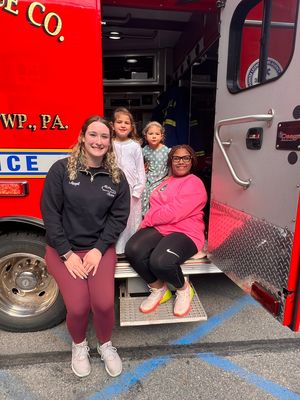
(183, 302)
(156, 297)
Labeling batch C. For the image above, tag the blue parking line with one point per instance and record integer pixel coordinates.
(126, 380)
(215, 321)
(15, 388)
(267, 386)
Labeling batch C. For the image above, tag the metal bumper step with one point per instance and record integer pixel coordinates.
(131, 316)
(192, 266)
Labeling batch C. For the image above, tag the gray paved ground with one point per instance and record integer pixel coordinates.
(240, 352)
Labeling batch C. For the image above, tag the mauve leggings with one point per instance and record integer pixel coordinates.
(95, 293)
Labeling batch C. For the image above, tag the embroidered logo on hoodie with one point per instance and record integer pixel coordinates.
(108, 190)
(74, 183)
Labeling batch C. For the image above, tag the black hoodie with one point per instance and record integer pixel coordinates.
(89, 212)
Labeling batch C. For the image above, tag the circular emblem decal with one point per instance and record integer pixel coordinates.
(273, 69)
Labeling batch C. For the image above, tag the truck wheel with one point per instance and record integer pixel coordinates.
(29, 296)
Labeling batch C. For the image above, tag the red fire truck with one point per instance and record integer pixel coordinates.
(236, 63)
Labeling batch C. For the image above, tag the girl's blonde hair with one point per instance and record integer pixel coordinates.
(77, 158)
(158, 125)
(122, 110)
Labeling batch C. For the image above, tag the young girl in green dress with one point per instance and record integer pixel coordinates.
(155, 158)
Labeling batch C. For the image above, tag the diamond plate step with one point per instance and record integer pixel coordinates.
(131, 316)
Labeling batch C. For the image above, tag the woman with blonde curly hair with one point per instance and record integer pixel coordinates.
(85, 206)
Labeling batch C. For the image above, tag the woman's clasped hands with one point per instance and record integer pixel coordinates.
(82, 267)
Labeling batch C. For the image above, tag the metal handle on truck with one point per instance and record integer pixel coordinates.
(234, 121)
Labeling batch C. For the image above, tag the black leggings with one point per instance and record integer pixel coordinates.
(154, 256)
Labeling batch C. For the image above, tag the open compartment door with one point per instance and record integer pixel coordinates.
(255, 219)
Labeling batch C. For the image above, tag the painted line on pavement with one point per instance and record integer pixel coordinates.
(128, 379)
(266, 385)
(213, 322)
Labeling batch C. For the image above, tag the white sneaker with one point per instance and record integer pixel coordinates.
(156, 297)
(111, 358)
(183, 302)
(81, 365)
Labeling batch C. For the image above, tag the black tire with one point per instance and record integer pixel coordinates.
(29, 297)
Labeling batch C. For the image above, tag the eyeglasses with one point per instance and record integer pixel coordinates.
(185, 159)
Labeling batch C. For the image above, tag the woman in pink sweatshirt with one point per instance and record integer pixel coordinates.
(171, 232)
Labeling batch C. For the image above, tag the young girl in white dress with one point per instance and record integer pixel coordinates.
(130, 161)
(155, 158)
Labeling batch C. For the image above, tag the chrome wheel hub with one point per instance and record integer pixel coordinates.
(26, 280)
(26, 288)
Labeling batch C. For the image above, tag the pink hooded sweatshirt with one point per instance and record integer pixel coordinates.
(176, 205)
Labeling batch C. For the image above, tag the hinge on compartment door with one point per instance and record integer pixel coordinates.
(221, 3)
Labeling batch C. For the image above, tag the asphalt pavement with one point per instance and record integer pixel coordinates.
(240, 352)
